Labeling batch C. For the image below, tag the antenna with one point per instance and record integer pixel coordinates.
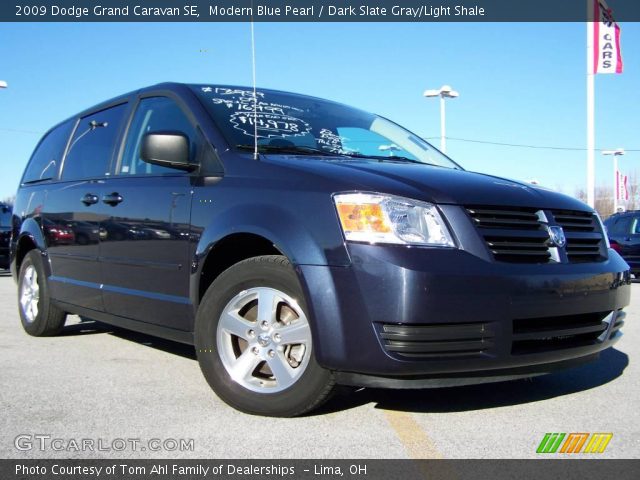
(255, 97)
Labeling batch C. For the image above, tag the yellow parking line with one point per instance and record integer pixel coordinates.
(415, 440)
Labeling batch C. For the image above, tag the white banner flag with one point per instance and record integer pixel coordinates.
(606, 42)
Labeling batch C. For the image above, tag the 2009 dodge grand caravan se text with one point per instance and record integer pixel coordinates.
(347, 251)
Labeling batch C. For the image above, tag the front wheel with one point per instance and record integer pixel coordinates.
(254, 341)
(39, 316)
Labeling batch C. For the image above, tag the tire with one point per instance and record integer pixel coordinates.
(39, 316)
(249, 321)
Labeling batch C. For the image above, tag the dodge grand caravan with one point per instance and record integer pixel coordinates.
(299, 244)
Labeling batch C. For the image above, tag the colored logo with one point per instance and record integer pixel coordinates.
(574, 442)
(556, 234)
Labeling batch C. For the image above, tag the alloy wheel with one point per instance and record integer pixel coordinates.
(264, 340)
(30, 294)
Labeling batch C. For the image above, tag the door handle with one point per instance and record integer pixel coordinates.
(112, 199)
(90, 199)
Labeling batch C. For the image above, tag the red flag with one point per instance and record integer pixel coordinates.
(606, 42)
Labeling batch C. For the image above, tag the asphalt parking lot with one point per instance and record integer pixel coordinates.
(106, 385)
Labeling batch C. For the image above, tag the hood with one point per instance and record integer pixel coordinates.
(428, 183)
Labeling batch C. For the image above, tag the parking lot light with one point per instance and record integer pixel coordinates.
(445, 92)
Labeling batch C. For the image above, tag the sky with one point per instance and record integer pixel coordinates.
(519, 83)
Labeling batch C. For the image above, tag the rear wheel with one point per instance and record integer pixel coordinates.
(39, 316)
(254, 340)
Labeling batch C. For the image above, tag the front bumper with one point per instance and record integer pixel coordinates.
(453, 315)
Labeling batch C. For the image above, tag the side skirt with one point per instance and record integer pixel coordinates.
(180, 336)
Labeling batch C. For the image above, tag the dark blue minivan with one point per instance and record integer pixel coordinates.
(299, 244)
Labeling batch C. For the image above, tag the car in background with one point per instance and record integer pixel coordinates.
(623, 230)
(57, 233)
(5, 235)
(85, 233)
(154, 231)
(118, 231)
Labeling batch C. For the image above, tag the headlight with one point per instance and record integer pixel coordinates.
(376, 218)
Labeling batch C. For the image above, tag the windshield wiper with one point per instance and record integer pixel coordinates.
(395, 158)
(37, 180)
(305, 150)
(294, 149)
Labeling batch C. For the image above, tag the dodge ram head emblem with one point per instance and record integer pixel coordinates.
(556, 234)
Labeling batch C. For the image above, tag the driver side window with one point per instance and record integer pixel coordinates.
(153, 114)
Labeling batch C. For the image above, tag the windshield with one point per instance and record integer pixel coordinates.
(289, 123)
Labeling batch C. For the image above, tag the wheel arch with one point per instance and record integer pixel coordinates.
(29, 238)
(226, 252)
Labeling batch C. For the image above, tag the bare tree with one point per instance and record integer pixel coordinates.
(604, 200)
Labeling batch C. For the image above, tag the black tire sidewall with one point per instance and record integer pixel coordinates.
(270, 272)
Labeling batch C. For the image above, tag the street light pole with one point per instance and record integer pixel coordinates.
(443, 128)
(445, 92)
(615, 153)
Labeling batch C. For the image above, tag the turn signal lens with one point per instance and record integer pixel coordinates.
(363, 218)
(375, 218)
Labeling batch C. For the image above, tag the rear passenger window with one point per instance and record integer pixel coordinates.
(48, 154)
(92, 146)
(155, 114)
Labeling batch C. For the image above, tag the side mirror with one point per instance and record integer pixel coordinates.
(167, 149)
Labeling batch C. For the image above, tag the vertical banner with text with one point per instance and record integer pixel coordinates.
(607, 50)
(622, 190)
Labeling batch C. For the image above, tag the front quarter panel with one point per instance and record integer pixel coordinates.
(302, 225)
(307, 236)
